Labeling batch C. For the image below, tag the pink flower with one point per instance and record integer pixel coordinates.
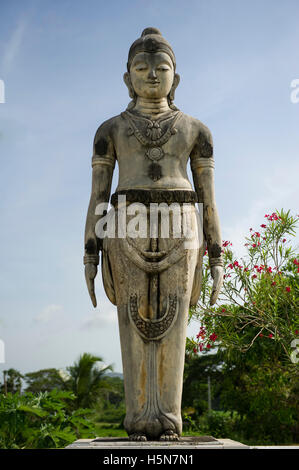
(270, 335)
(284, 240)
(263, 225)
(213, 337)
(288, 289)
(254, 245)
(208, 345)
(273, 283)
(254, 276)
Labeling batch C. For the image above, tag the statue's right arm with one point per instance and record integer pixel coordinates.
(103, 162)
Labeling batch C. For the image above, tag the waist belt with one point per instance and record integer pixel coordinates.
(148, 196)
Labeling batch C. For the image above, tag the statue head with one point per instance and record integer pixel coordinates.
(151, 68)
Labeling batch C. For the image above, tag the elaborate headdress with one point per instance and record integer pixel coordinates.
(151, 40)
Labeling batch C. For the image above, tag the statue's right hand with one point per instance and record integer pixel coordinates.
(90, 273)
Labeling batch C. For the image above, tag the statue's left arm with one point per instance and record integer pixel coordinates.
(202, 165)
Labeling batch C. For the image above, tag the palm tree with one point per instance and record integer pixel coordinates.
(85, 379)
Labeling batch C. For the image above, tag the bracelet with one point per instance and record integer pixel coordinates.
(216, 262)
(92, 259)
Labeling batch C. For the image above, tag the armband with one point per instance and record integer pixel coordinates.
(91, 259)
(96, 160)
(216, 262)
(202, 163)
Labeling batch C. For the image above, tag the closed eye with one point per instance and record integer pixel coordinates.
(139, 68)
(163, 68)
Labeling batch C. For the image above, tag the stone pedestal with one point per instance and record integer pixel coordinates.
(192, 442)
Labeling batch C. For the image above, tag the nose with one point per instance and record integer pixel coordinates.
(152, 74)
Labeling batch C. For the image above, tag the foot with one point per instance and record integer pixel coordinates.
(169, 436)
(137, 436)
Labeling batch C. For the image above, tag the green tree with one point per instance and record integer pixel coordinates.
(85, 379)
(45, 380)
(195, 387)
(12, 381)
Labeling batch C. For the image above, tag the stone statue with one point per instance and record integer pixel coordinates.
(153, 279)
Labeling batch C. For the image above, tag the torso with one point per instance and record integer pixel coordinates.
(154, 163)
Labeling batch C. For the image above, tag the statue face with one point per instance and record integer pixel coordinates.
(152, 74)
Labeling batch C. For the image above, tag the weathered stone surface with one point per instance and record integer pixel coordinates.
(200, 442)
(153, 279)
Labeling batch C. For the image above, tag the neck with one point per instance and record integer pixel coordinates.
(152, 107)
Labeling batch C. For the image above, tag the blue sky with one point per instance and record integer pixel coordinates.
(62, 64)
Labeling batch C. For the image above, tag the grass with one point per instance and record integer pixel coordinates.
(109, 430)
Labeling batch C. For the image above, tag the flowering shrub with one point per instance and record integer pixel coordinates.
(260, 295)
(251, 329)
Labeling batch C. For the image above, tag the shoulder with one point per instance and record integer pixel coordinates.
(103, 139)
(105, 130)
(203, 141)
(197, 126)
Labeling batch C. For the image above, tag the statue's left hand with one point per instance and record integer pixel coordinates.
(217, 273)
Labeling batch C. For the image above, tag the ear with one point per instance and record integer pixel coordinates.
(127, 81)
(176, 81)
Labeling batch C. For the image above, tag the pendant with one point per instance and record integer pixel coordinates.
(154, 153)
(155, 171)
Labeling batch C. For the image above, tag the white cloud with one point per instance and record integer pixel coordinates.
(13, 46)
(48, 313)
(280, 191)
(100, 318)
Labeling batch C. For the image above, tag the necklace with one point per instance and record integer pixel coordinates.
(150, 134)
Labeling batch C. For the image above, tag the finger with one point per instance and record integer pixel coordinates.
(92, 295)
(213, 297)
(215, 290)
(90, 287)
